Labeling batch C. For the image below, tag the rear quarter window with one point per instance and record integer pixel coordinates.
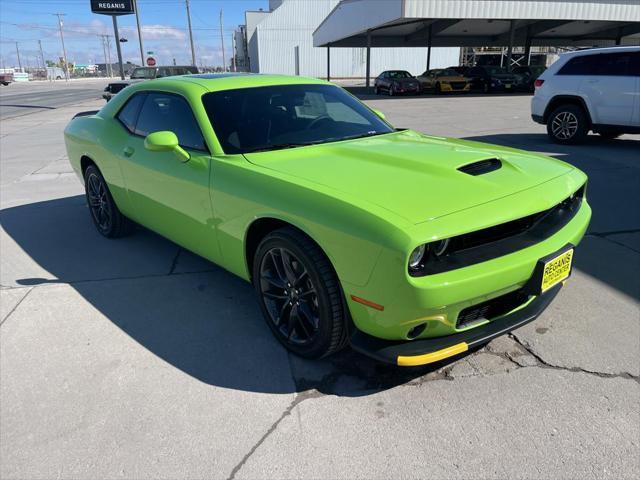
(128, 114)
(582, 65)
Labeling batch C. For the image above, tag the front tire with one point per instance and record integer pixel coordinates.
(299, 294)
(567, 125)
(105, 214)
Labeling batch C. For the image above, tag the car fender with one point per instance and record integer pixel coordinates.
(351, 235)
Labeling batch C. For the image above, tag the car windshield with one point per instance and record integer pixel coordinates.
(495, 70)
(284, 116)
(399, 74)
(143, 72)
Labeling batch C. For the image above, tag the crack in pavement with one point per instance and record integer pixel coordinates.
(174, 263)
(545, 364)
(16, 306)
(299, 398)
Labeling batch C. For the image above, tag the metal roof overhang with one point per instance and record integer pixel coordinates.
(480, 23)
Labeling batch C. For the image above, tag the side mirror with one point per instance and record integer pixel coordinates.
(379, 113)
(165, 141)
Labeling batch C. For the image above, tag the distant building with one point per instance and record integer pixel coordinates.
(281, 41)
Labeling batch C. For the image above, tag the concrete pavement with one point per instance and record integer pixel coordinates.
(135, 359)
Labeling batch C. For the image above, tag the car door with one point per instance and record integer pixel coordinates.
(611, 89)
(168, 195)
(635, 72)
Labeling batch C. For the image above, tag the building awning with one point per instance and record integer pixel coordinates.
(479, 23)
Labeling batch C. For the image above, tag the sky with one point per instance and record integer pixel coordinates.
(164, 30)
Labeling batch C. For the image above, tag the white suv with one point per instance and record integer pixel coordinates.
(590, 90)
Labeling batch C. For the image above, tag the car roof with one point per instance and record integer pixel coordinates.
(588, 51)
(229, 81)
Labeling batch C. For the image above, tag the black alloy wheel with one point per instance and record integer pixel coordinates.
(104, 212)
(567, 124)
(299, 294)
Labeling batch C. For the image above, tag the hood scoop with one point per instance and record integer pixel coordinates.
(481, 167)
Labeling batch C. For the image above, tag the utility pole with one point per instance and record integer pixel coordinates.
(44, 63)
(139, 33)
(18, 54)
(117, 35)
(193, 51)
(233, 50)
(224, 60)
(64, 50)
(104, 51)
(110, 69)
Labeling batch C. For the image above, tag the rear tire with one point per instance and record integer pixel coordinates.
(567, 125)
(299, 294)
(106, 217)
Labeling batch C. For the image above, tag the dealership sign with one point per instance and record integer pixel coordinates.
(115, 7)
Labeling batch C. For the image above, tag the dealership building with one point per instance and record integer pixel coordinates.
(361, 38)
(280, 40)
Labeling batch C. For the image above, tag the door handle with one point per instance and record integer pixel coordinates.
(593, 80)
(128, 151)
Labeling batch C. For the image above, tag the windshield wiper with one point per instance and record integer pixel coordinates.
(276, 146)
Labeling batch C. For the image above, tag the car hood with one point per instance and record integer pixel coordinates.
(504, 76)
(405, 81)
(412, 175)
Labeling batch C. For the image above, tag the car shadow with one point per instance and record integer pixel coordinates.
(192, 314)
(610, 250)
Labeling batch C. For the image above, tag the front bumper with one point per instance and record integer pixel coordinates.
(421, 352)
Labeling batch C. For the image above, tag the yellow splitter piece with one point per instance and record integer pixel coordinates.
(557, 270)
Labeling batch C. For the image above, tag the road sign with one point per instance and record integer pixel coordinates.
(151, 61)
(115, 7)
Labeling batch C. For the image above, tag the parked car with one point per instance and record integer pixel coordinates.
(412, 248)
(442, 80)
(141, 74)
(590, 90)
(487, 78)
(396, 82)
(460, 69)
(6, 78)
(527, 75)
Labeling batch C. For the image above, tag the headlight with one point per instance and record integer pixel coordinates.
(422, 253)
(440, 247)
(416, 256)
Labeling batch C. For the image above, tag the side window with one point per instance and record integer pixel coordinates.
(635, 64)
(583, 65)
(165, 111)
(129, 113)
(616, 64)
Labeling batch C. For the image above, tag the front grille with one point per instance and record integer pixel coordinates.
(116, 87)
(458, 85)
(499, 240)
(491, 309)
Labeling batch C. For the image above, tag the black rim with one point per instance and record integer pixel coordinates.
(290, 296)
(98, 202)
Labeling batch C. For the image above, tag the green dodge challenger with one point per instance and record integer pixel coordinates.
(409, 247)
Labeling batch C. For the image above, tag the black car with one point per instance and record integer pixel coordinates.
(527, 76)
(140, 74)
(488, 78)
(396, 82)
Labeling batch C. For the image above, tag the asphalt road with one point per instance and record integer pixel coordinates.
(18, 99)
(133, 358)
